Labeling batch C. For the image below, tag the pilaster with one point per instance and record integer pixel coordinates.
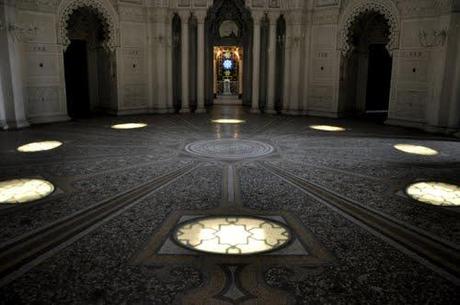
(257, 18)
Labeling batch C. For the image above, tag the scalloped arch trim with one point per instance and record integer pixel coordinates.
(66, 10)
(356, 8)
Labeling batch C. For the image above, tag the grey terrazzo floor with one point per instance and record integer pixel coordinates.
(97, 163)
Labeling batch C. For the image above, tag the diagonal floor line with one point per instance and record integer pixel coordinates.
(23, 253)
(439, 255)
(264, 128)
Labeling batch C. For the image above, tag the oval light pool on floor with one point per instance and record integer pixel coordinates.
(39, 146)
(228, 121)
(327, 128)
(232, 235)
(129, 126)
(435, 193)
(24, 190)
(416, 149)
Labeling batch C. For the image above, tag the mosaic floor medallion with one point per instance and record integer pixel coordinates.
(232, 235)
(233, 252)
(231, 149)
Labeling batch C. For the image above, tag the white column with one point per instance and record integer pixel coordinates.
(256, 63)
(271, 63)
(184, 18)
(11, 71)
(306, 67)
(160, 44)
(169, 54)
(201, 15)
(295, 18)
(287, 68)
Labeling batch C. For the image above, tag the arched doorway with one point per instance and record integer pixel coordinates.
(367, 68)
(89, 66)
(228, 33)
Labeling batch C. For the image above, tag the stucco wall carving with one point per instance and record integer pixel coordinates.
(356, 8)
(110, 20)
(433, 38)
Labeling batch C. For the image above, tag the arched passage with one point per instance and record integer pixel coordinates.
(369, 35)
(229, 26)
(88, 36)
(366, 72)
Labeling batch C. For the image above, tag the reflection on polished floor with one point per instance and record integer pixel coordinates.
(228, 208)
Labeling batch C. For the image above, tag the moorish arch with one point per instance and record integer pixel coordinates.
(235, 18)
(102, 8)
(356, 8)
(88, 32)
(368, 35)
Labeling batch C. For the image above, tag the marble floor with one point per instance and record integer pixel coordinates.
(261, 209)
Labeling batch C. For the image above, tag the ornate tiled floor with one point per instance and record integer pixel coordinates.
(304, 216)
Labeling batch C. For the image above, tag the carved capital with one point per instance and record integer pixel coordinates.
(21, 32)
(257, 17)
(433, 38)
(200, 16)
(273, 17)
(184, 16)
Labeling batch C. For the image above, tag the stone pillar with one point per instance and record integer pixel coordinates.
(12, 99)
(200, 16)
(169, 54)
(287, 67)
(160, 72)
(295, 21)
(256, 62)
(271, 85)
(185, 18)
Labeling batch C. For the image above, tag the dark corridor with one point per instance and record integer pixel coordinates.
(379, 81)
(76, 79)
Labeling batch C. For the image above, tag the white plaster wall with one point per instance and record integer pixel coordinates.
(135, 51)
(141, 58)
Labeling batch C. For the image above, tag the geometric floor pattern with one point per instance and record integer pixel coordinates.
(324, 216)
(232, 235)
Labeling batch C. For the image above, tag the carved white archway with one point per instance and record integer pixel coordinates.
(104, 10)
(355, 8)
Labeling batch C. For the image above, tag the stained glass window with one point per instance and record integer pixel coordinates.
(228, 64)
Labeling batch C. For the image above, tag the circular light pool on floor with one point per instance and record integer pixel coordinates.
(39, 146)
(435, 193)
(228, 121)
(129, 126)
(327, 128)
(416, 149)
(24, 190)
(232, 235)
